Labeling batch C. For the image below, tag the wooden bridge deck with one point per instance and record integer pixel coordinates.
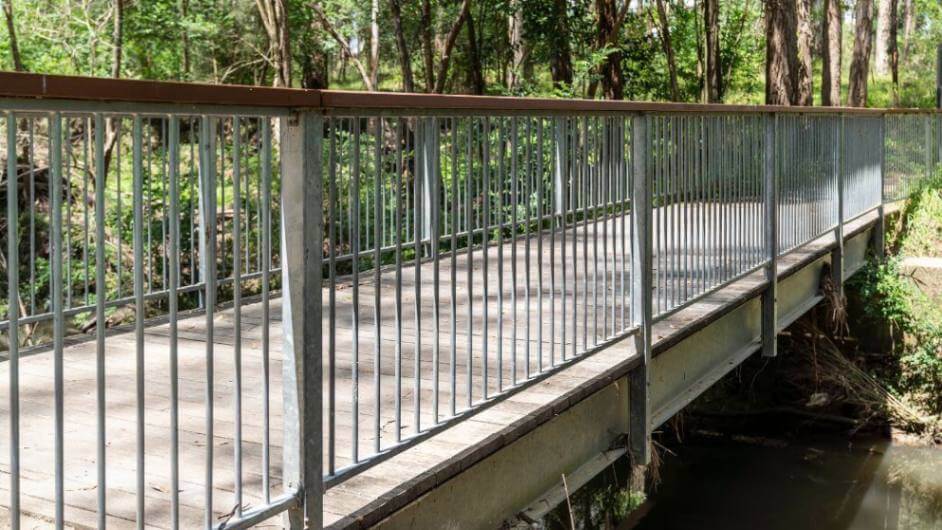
(37, 409)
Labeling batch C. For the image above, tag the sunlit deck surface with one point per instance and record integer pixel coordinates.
(379, 489)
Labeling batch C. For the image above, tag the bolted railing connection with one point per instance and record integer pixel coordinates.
(421, 255)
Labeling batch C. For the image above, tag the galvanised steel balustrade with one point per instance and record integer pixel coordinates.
(422, 255)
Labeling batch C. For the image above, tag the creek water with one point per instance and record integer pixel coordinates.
(816, 480)
(828, 482)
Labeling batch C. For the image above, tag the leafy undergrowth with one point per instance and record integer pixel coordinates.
(890, 313)
(918, 229)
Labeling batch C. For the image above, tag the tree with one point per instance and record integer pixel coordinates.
(374, 43)
(11, 31)
(831, 54)
(449, 45)
(560, 48)
(184, 14)
(519, 49)
(711, 23)
(344, 45)
(908, 23)
(609, 21)
(860, 60)
(475, 68)
(804, 86)
(886, 36)
(405, 59)
(428, 47)
(781, 56)
(113, 125)
(275, 19)
(892, 51)
(665, 34)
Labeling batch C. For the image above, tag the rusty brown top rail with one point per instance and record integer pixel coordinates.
(42, 86)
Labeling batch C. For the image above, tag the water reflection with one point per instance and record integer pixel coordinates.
(826, 481)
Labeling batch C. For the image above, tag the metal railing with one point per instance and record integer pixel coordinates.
(422, 255)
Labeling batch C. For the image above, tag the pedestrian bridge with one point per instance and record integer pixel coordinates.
(236, 306)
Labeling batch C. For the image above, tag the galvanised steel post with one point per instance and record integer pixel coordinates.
(302, 234)
(837, 254)
(879, 229)
(207, 163)
(426, 150)
(202, 219)
(561, 144)
(639, 380)
(13, 282)
(770, 295)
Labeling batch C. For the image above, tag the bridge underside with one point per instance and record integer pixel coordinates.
(469, 473)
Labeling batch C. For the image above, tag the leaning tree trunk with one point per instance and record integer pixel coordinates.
(831, 54)
(804, 85)
(448, 46)
(711, 25)
(860, 60)
(11, 31)
(113, 125)
(781, 54)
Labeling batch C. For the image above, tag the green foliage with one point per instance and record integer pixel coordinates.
(890, 296)
(921, 232)
(225, 42)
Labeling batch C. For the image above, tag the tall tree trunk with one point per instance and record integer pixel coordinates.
(908, 22)
(892, 50)
(804, 84)
(518, 52)
(711, 25)
(275, 19)
(886, 29)
(781, 53)
(665, 33)
(561, 52)
(860, 60)
(374, 43)
(405, 59)
(428, 46)
(184, 15)
(609, 23)
(831, 54)
(117, 38)
(475, 69)
(11, 30)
